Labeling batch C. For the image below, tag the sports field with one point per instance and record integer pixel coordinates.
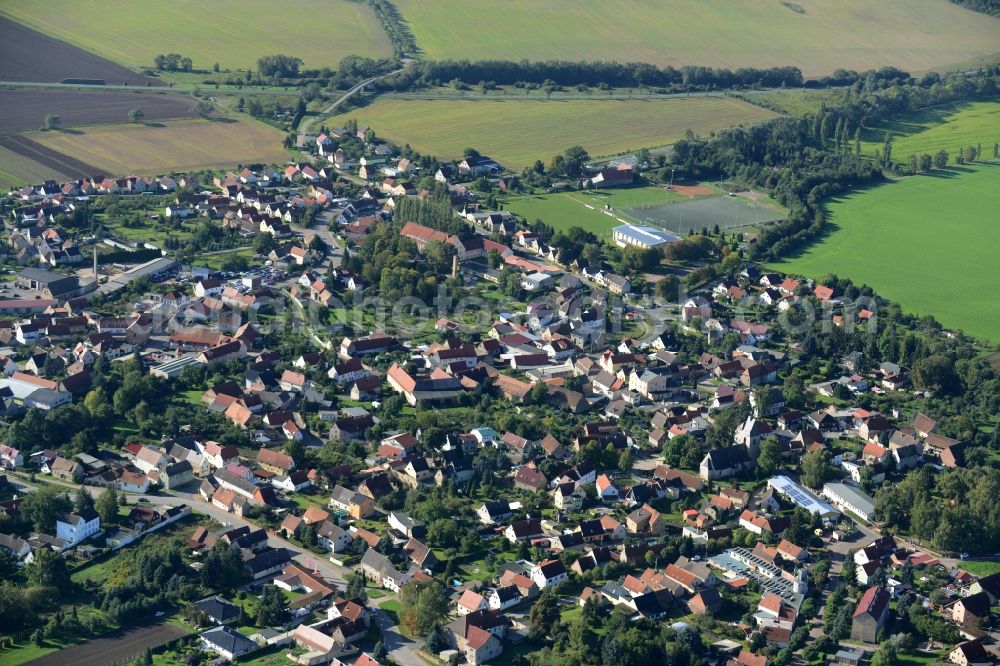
(182, 145)
(598, 211)
(234, 34)
(564, 210)
(727, 212)
(947, 127)
(927, 242)
(818, 36)
(518, 132)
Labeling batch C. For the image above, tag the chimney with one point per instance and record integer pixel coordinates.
(95, 264)
(454, 266)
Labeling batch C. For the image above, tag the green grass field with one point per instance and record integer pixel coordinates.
(172, 146)
(980, 567)
(945, 127)
(796, 102)
(927, 242)
(817, 36)
(562, 211)
(234, 34)
(518, 132)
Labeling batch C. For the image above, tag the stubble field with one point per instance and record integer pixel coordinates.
(122, 150)
(818, 36)
(234, 34)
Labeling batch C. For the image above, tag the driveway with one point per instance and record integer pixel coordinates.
(402, 650)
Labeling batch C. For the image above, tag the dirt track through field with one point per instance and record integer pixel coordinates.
(25, 109)
(52, 159)
(114, 648)
(27, 55)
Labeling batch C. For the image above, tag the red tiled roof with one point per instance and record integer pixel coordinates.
(872, 602)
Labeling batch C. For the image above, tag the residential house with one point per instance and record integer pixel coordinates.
(470, 602)
(176, 475)
(76, 527)
(971, 653)
(227, 642)
(357, 505)
(524, 530)
(971, 610)
(548, 573)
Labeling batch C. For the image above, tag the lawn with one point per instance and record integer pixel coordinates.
(948, 127)
(182, 145)
(915, 658)
(980, 568)
(270, 656)
(392, 608)
(516, 132)
(926, 242)
(818, 36)
(230, 32)
(22, 653)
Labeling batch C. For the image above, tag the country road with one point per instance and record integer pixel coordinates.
(307, 122)
(204, 89)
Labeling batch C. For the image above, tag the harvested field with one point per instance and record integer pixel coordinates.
(47, 157)
(727, 212)
(233, 33)
(818, 36)
(177, 145)
(20, 48)
(116, 647)
(25, 109)
(16, 169)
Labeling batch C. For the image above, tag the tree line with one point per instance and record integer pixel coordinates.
(603, 74)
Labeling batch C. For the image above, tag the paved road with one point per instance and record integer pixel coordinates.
(335, 255)
(114, 647)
